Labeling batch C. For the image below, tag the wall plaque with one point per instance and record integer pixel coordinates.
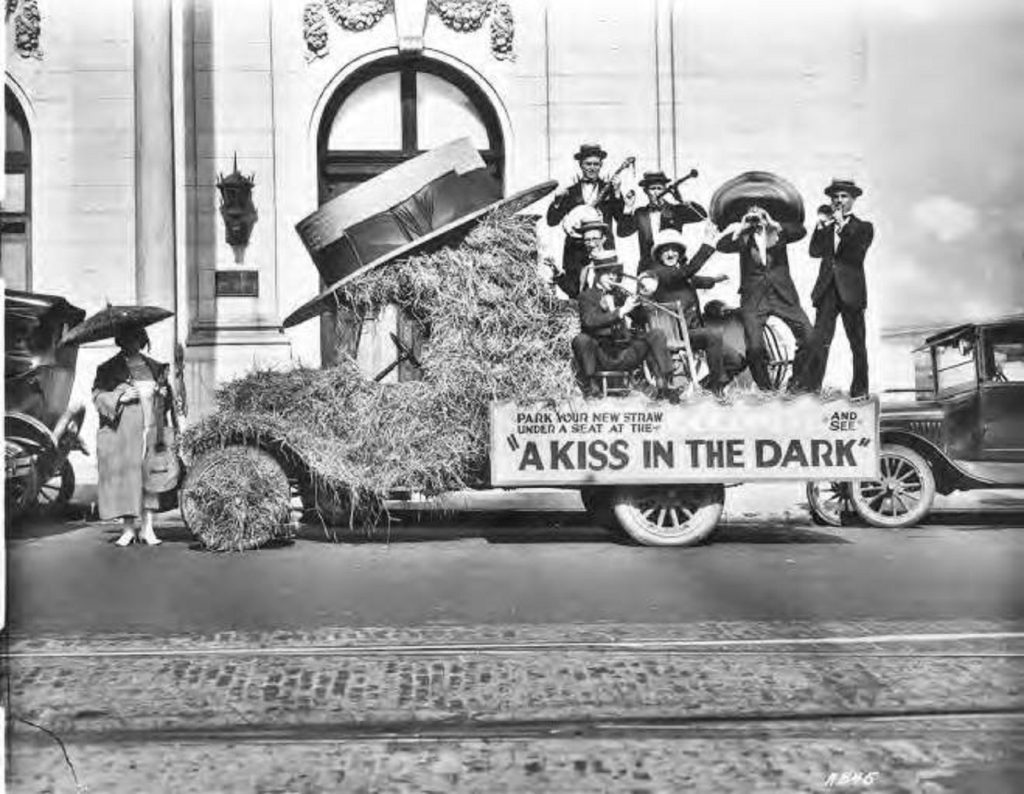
(237, 283)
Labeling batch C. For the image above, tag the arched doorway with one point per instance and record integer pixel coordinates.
(16, 208)
(388, 112)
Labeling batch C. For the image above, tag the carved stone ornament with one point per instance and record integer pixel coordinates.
(27, 26)
(237, 209)
(465, 16)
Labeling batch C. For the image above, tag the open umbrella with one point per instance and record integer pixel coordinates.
(110, 321)
(775, 194)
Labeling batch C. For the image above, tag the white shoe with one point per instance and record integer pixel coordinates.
(127, 537)
(147, 535)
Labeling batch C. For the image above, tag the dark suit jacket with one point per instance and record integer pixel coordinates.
(681, 283)
(672, 217)
(610, 208)
(602, 324)
(757, 279)
(843, 267)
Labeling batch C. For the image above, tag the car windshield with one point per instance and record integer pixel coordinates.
(1004, 361)
(954, 363)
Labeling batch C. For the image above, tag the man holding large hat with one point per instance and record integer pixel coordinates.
(841, 241)
(657, 215)
(589, 191)
(609, 340)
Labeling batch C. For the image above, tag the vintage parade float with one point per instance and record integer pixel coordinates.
(496, 403)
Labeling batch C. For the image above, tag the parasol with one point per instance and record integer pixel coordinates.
(110, 321)
(775, 194)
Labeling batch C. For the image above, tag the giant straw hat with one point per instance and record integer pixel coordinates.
(424, 200)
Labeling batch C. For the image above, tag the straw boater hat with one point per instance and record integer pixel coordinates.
(843, 184)
(590, 150)
(667, 238)
(592, 225)
(398, 213)
(601, 262)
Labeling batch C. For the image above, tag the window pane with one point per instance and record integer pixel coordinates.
(14, 196)
(445, 113)
(1006, 357)
(14, 253)
(955, 363)
(15, 138)
(371, 117)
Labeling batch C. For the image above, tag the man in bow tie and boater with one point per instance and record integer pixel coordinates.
(590, 191)
(657, 215)
(841, 240)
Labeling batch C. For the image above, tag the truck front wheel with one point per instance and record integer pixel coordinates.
(669, 515)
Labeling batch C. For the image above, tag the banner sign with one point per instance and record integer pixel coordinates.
(616, 441)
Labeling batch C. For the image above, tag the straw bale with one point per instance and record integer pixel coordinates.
(494, 331)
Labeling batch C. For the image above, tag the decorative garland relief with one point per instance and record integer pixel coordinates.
(27, 26)
(465, 16)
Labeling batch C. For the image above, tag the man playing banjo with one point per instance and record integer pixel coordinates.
(590, 198)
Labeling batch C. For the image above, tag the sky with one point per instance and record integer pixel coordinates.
(945, 153)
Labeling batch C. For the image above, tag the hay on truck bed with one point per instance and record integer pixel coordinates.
(495, 331)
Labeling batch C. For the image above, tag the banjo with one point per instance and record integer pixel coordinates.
(590, 211)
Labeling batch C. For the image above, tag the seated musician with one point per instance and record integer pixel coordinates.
(673, 280)
(610, 337)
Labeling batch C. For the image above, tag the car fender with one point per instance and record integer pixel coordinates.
(949, 476)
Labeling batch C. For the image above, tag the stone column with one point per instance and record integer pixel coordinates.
(154, 167)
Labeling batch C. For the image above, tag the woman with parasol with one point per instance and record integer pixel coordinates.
(132, 396)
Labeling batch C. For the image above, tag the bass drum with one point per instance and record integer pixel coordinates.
(778, 341)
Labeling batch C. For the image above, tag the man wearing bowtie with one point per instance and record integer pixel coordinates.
(657, 215)
(588, 191)
(841, 240)
(767, 289)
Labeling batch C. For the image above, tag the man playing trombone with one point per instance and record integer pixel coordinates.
(611, 338)
(589, 198)
(658, 214)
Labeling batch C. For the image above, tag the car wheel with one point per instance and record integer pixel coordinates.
(828, 501)
(54, 494)
(669, 515)
(903, 495)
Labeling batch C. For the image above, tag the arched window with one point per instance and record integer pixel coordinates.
(388, 112)
(394, 109)
(16, 208)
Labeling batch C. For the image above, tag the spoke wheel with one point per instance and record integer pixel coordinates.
(55, 493)
(671, 515)
(903, 495)
(828, 501)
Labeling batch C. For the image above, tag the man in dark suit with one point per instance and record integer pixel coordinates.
(610, 338)
(657, 215)
(841, 240)
(675, 283)
(767, 289)
(586, 192)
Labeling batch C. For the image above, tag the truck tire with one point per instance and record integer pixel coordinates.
(669, 515)
(828, 501)
(903, 496)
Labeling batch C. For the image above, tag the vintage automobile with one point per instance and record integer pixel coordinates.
(40, 428)
(965, 430)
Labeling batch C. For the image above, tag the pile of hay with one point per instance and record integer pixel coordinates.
(495, 332)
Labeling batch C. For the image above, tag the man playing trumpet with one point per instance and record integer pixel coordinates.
(841, 241)
(603, 196)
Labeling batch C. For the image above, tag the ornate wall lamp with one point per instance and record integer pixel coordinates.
(237, 209)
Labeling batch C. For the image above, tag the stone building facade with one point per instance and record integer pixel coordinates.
(123, 115)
